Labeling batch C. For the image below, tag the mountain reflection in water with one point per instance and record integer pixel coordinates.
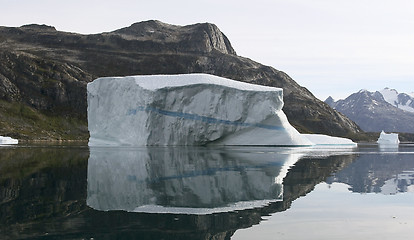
(72, 192)
(389, 171)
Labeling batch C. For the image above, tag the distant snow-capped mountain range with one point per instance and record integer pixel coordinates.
(404, 101)
(385, 110)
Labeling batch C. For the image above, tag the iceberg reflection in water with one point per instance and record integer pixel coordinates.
(185, 180)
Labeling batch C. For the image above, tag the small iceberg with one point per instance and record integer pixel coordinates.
(8, 140)
(388, 138)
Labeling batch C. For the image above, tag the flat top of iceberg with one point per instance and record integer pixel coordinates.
(153, 82)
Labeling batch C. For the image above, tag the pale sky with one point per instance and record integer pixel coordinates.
(331, 47)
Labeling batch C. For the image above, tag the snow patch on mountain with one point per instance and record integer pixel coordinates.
(402, 101)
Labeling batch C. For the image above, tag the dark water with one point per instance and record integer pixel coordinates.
(76, 192)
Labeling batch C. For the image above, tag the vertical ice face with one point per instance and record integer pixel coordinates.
(192, 109)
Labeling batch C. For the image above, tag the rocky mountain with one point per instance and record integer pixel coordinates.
(402, 101)
(44, 72)
(373, 113)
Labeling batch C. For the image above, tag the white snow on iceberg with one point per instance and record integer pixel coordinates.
(8, 140)
(191, 109)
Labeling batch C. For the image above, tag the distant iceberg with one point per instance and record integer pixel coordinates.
(189, 109)
(8, 140)
(388, 138)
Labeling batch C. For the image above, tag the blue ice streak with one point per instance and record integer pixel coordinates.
(196, 117)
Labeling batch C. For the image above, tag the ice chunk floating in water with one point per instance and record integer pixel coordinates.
(8, 140)
(388, 138)
(191, 109)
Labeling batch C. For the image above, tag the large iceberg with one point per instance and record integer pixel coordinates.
(190, 109)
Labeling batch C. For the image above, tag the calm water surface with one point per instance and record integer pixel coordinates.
(76, 192)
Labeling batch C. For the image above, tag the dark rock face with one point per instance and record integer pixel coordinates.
(198, 38)
(370, 111)
(55, 67)
(42, 84)
(405, 100)
(330, 101)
